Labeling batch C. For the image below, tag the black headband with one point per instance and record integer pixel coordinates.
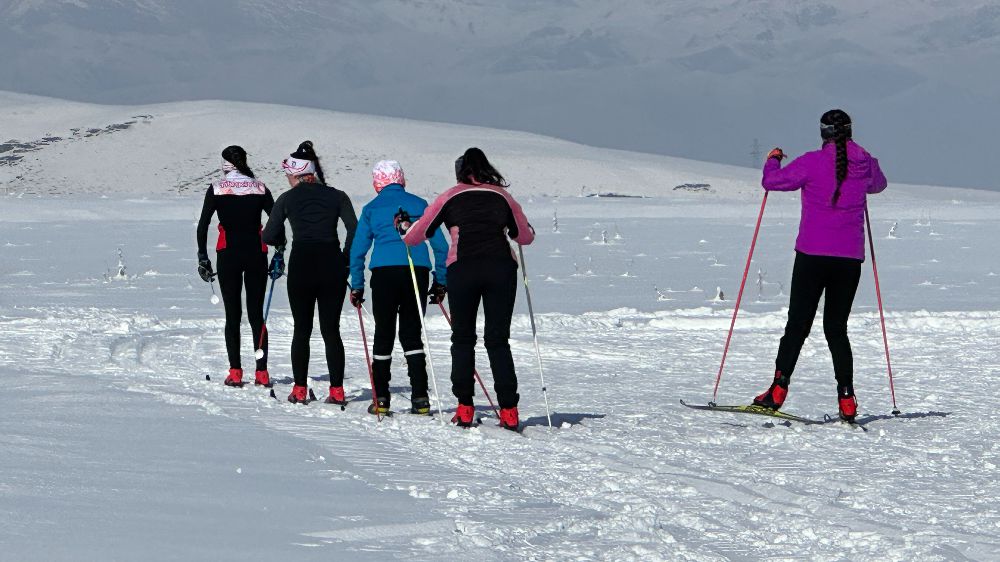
(831, 127)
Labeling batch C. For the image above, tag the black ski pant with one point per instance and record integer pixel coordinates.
(811, 277)
(493, 282)
(239, 269)
(392, 297)
(317, 277)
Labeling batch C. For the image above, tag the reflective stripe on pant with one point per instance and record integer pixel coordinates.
(392, 296)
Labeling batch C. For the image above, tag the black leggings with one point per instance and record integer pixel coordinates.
(317, 275)
(811, 276)
(239, 269)
(494, 282)
(392, 296)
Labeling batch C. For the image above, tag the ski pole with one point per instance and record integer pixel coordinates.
(368, 312)
(739, 297)
(881, 313)
(215, 297)
(423, 331)
(259, 354)
(474, 371)
(368, 361)
(534, 333)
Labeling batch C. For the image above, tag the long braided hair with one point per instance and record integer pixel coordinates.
(307, 152)
(835, 127)
(236, 156)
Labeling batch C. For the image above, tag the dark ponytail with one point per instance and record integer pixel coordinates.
(236, 156)
(474, 167)
(307, 152)
(835, 127)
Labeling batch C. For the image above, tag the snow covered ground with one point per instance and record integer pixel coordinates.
(116, 447)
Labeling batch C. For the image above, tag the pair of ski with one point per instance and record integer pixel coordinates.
(762, 411)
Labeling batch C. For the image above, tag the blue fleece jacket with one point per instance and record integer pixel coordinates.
(375, 225)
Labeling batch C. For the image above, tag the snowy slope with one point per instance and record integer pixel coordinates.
(174, 148)
(116, 447)
(698, 78)
(56, 147)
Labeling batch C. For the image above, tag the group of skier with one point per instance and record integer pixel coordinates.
(473, 263)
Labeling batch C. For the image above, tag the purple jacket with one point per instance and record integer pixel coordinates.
(826, 230)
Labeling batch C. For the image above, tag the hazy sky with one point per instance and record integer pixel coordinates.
(693, 78)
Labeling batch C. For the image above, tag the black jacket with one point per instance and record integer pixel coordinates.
(239, 220)
(313, 210)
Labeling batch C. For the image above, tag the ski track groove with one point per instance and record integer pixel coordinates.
(612, 478)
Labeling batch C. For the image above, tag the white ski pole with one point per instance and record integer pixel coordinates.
(423, 334)
(534, 333)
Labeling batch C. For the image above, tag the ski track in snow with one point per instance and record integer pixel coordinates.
(617, 481)
(629, 474)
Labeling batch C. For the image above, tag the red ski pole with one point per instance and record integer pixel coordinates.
(739, 297)
(475, 372)
(368, 360)
(881, 313)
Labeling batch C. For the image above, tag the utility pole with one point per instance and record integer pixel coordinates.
(755, 153)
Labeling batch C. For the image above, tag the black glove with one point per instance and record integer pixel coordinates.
(402, 222)
(357, 297)
(277, 268)
(436, 293)
(205, 268)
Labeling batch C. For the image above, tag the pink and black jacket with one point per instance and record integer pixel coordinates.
(479, 218)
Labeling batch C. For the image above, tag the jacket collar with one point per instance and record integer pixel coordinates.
(392, 187)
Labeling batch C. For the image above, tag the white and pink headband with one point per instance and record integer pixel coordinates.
(295, 167)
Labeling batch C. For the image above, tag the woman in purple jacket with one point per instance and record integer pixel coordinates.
(835, 182)
(479, 216)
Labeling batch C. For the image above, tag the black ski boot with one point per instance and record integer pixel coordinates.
(420, 406)
(383, 406)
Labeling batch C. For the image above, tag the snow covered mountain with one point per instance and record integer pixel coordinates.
(58, 147)
(693, 78)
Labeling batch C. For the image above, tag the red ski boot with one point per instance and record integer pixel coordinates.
(261, 378)
(299, 395)
(848, 404)
(235, 378)
(775, 395)
(464, 416)
(336, 396)
(508, 418)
